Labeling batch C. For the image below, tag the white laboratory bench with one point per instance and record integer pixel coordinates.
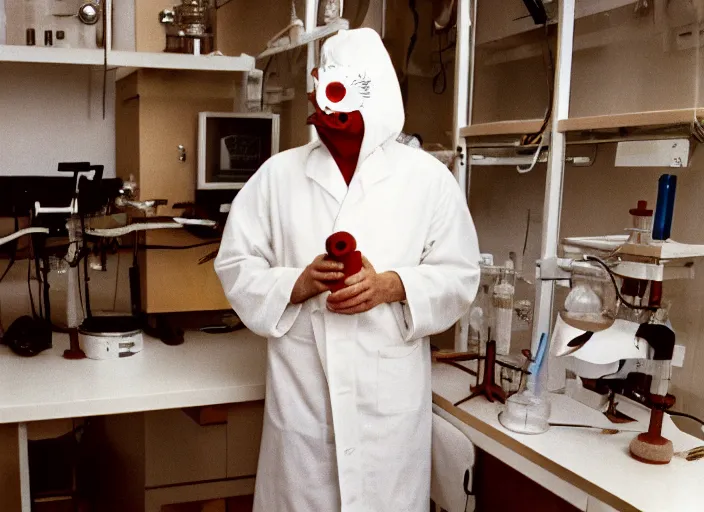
(592, 471)
(208, 369)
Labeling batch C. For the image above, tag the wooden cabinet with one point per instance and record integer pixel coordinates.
(244, 435)
(166, 457)
(178, 450)
(156, 111)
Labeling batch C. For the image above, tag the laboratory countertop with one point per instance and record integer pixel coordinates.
(598, 464)
(207, 369)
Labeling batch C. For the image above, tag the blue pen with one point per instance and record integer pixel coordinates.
(534, 367)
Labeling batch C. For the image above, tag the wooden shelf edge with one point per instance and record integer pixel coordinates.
(502, 128)
(628, 120)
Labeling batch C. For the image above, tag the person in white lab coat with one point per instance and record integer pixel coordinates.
(348, 397)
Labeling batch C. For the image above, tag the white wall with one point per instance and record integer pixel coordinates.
(51, 114)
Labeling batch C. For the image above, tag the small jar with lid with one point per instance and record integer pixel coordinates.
(642, 224)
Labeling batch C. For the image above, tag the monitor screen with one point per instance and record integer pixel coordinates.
(233, 146)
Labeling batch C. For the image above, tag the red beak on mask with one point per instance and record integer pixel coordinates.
(342, 133)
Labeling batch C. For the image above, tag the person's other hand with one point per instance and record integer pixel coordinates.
(366, 290)
(316, 279)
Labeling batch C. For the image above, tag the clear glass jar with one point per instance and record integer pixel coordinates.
(192, 17)
(591, 303)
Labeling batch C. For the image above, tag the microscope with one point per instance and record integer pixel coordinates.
(614, 326)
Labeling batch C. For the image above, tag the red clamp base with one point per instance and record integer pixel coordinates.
(488, 386)
(74, 352)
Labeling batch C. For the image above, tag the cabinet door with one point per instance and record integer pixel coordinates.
(244, 435)
(178, 450)
(166, 124)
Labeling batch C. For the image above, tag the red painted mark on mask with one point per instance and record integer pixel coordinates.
(335, 92)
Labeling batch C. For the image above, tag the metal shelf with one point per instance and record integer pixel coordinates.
(180, 61)
(124, 59)
(51, 55)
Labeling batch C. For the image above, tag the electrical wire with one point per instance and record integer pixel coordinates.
(40, 285)
(536, 156)
(9, 266)
(409, 51)
(13, 256)
(685, 415)
(613, 280)
(264, 72)
(548, 64)
(525, 240)
(441, 76)
(171, 247)
(117, 281)
(86, 277)
(539, 136)
(29, 286)
(80, 292)
(105, 66)
(414, 36)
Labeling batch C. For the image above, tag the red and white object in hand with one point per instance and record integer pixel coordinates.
(342, 247)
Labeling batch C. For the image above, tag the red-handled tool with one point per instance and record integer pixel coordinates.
(341, 247)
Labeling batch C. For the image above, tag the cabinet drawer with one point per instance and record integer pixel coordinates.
(244, 435)
(178, 450)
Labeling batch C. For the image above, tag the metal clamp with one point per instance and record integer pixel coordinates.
(554, 269)
(71, 209)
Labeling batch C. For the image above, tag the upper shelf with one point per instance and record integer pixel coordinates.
(502, 128)
(629, 120)
(180, 61)
(656, 124)
(78, 56)
(41, 54)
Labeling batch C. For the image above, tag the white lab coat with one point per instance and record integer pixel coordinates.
(348, 399)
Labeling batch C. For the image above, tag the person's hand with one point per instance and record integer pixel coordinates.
(366, 290)
(316, 279)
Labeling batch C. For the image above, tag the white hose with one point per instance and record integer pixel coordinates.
(524, 170)
(22, 232)
(194, 222)
(178, 223)
(131, 228)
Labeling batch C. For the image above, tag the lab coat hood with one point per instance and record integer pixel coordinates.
(359, 60)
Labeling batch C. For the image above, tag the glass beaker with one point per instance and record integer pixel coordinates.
(591, 303)
(528, 411)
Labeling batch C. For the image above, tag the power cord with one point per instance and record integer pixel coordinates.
(411, 46)
(613, 280)
(685, 415)
(441, 76)
(13, 255)
(539, 136)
